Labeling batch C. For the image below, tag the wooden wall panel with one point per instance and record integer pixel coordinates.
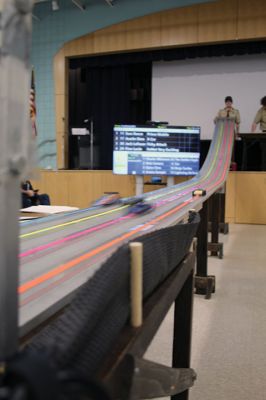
(179, 26)
(143, 33)
(110, 39)
(61, 107)
(230, 198)
(250, 198)
(80, 46)
(150, 188)
(180, 179)
(59, 72)
(54, 184)
(222, 20)
(81, 188)
(245, 191)
(61, 150)
(60, 112)
(217, 21)
(251, 19)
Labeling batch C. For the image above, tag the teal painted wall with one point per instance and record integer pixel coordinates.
(58, 27)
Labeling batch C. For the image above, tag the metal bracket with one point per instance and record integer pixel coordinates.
(136, 378)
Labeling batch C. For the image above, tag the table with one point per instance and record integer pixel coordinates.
(249, 139)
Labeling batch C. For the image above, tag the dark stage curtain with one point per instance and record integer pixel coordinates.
(103, 95)
(113, 89)
(178, 53)
(108, 95)
(108, 103)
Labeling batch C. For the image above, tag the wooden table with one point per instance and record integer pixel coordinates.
(249, 139)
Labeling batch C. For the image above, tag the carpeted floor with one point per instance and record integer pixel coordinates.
(229, 330)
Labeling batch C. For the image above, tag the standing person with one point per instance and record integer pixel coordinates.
(260, 117)
(229, 112)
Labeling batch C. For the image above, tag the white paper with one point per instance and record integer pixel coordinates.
(79, 131)
(48, 209)
(26, 218)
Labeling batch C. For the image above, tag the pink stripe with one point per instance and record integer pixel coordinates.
(81, 268)
(101, 226)
(68, 238)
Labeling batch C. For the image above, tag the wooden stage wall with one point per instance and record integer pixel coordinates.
(216, 22)
(245, 191)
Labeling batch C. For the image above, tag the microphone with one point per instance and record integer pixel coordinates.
(88, 119)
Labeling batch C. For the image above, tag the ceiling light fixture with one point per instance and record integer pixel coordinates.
(55, 5)
(110, 2)
(79, 4)
(35, 17)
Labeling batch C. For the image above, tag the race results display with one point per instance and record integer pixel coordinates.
(150, 150)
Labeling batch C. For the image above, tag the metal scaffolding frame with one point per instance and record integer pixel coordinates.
(15, 151)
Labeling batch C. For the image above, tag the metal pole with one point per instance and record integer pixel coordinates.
(15, 29)
(170, 181)
(139, 185)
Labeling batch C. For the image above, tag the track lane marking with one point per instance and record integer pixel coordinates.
(58, 270)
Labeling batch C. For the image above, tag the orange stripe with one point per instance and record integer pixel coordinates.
(61, 268)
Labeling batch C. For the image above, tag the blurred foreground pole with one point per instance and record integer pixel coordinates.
(15, 153)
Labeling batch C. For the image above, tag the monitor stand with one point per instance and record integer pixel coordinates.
(170, 181)
(139, 185)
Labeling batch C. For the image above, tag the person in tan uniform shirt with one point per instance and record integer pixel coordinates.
(260, 117)
(229, 112)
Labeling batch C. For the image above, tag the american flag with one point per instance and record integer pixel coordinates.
(33, 106)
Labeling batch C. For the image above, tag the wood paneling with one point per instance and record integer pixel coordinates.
(179, 26)
(60, 112)
(60, 72)
(80, 46)
(54, 184)
(61, 151)
(143, 33)
(110, 39)
(217, 21)
(230, 199)
(81, 188)
(250, 198)
(245, 191)
(251, 19)
(61, 107)
(180, 179)
(223, 20)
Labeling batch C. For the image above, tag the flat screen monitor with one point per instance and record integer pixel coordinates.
(154, 150)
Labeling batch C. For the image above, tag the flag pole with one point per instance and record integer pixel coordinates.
(33, 111)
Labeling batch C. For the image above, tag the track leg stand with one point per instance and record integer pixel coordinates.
(215, 247)
(204, 284)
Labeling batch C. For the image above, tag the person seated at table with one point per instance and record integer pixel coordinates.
(31, 197)
(260, 117)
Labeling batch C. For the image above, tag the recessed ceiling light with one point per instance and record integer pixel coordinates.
(55, 5)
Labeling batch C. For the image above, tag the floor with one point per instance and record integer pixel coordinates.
(229, 330)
